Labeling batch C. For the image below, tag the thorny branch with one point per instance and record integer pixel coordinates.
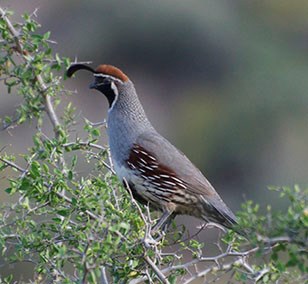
(156, 270)
(239, 260)
(49, 108)
(42, 86)
(86, 145)
(13, 165)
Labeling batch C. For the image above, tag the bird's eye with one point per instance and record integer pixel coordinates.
(106, 81)
(103, 81)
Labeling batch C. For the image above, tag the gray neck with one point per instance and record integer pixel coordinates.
(126, 121)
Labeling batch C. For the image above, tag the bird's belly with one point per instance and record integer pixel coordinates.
(156, 195)
(142, 190)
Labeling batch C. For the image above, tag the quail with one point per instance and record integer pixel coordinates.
(156, 172)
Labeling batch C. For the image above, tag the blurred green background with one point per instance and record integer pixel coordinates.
(225, 81)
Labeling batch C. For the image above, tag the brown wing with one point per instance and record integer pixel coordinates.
(173, 166)
(147, 165)
(170, 158)
(163, 188)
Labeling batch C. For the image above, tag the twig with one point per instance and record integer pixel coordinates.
(203, 273)
(13, 165)
(81, 62)
(68, 200)
(261, 274)
(12, 30)
(134, 201)
(85, 144)
(156, 270)
(104, 279)
(272, 241)
(237, 261)
(96, 156)
(11, 125)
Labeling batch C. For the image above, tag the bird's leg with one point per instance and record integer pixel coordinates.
(166, 225)
(163, 222)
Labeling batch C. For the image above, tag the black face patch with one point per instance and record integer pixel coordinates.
(104, 86)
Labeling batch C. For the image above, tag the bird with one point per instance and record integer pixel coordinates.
(156, 172)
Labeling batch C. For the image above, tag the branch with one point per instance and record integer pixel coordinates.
(239, 260)
(13, 165)
(85, 144)
(104, 279)
(42, 86)
(12, 30)
(156, 270)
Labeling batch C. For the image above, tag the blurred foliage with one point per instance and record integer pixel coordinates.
(76, 228)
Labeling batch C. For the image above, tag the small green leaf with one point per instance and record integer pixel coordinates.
(46, 35)
(70, 175)
(35, 169)
(9, 190)
(95, 132)
(64, 212)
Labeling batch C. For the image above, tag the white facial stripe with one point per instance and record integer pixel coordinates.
(107, 76)
(114, 88)
(116, 92)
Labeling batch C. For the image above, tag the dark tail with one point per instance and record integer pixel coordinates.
(217, 211)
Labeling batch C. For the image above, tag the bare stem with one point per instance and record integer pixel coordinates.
(13, 165)
(156, 270)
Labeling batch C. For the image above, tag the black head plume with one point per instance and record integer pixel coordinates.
(103, 79)
(75, 67)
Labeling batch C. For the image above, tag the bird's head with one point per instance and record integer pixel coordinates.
(107, 79)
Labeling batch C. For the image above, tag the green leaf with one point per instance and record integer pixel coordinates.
(46, 35)
(95, 132)
(25, 184)
(64, 212)
(70, 175)
(9, 190)
(35, 169)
